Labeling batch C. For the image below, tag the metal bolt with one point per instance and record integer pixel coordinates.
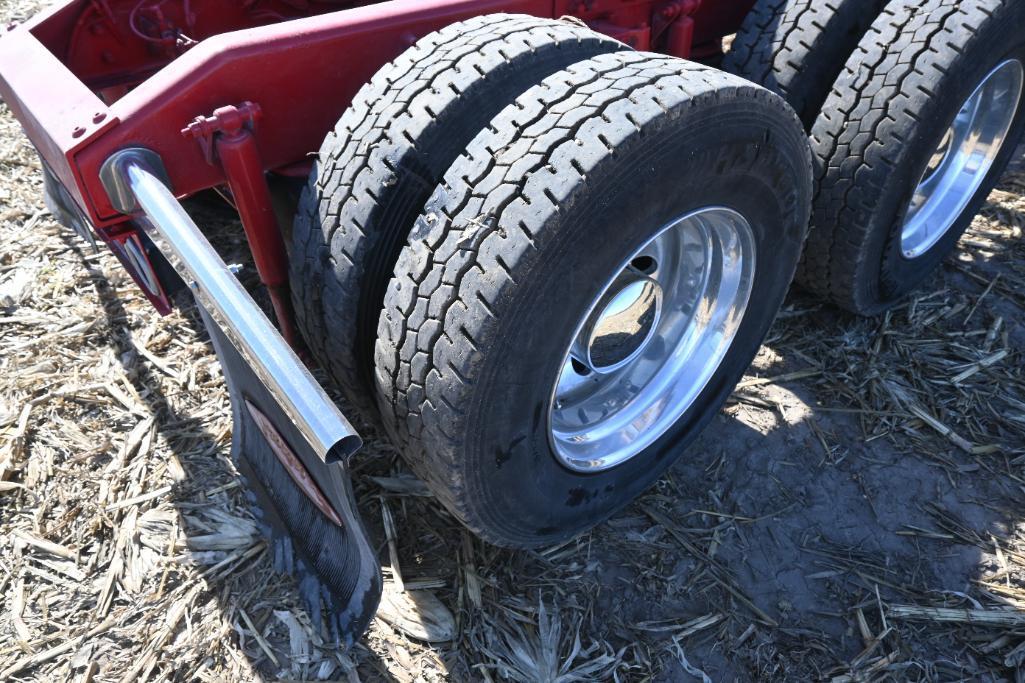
(78, 132)
(98, 117)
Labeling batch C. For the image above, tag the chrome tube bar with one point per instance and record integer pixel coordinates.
(135, 181)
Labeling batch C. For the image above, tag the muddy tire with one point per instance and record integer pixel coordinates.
(920, 125)
(561, 197)
(388, 153)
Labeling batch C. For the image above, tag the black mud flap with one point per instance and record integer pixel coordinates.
(305, 507)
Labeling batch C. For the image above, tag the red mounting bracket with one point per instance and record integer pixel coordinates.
(230, 120)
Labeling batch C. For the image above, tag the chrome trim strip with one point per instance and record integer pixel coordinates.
(136, 183)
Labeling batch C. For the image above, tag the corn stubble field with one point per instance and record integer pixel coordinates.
(853, 514)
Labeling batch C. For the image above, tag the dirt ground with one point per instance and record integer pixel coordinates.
(854, 513)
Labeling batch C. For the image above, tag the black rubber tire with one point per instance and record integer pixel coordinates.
(388, 153)
(882, 123)
(514, 246)
(797, 48)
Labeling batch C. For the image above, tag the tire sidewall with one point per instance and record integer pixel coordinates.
(514, 476)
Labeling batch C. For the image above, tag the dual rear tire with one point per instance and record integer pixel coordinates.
(542, 261)
(552, 270)
(916, 132)
(914, 109)
(531, 227)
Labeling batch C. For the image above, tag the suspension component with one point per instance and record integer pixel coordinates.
(228, 137)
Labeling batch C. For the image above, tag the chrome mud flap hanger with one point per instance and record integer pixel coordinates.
(289, 440)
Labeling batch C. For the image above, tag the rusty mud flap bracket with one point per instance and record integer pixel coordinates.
(289, 440)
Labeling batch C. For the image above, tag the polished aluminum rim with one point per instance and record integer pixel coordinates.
(651, 341)
(963, 159)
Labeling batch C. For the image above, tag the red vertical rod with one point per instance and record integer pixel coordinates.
(242, 167)
(230, 130)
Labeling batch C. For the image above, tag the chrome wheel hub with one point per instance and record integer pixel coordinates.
(963, 159)
(650, 342)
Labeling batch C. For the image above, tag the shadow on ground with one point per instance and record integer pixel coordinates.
(215, 530)
(866, 473)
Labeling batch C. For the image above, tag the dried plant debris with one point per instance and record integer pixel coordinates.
(854, 514)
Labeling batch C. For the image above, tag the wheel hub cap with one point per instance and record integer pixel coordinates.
(623, 324)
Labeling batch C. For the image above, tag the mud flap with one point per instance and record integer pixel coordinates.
(304, 506)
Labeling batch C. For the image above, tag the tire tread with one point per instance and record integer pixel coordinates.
(342, 241)
(796, 47)
(857, 140)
